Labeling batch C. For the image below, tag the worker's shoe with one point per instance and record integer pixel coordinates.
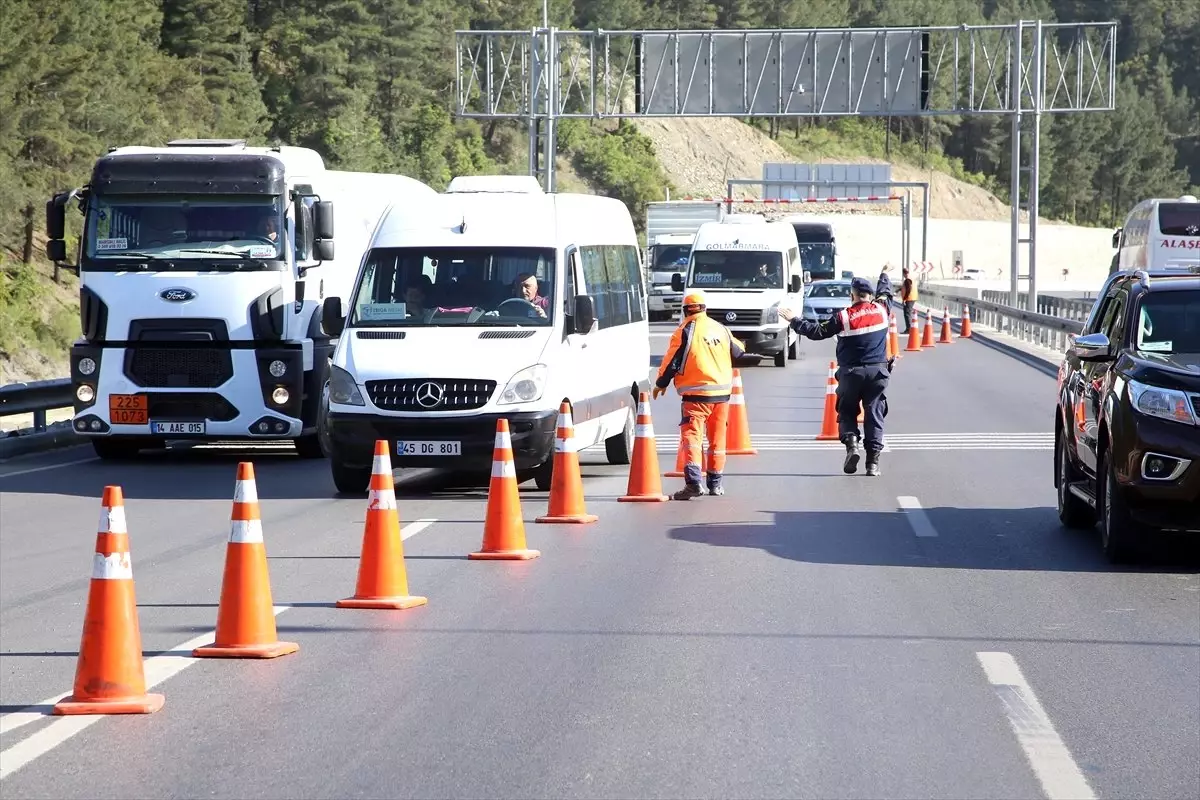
(873, 464)
(850, 466)
(716, 489)
(688, 492)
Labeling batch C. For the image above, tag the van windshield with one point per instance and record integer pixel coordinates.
(1169, 324)
(469, 286)
(737, 269)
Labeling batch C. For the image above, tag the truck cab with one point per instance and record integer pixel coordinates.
(664, 257)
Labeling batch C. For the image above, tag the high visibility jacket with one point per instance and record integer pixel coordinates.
(909, 291)
(862, 331)
(699, 360)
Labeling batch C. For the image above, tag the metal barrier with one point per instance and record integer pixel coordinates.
(1065, 307)
(1045, 330)
(36, 398)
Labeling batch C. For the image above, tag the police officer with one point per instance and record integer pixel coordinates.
(699, 359)
(863, 369)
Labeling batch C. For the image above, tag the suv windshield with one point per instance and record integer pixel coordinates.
(838, 290)
(737, 269)
(491, 287)
(153, 228)
(1169, 324)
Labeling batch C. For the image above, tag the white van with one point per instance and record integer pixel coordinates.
(485, 304)
(748, 271)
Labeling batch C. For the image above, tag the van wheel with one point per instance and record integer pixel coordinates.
(794, 349)
(118, 449)
(619, 448)
(543, 475)
(309, 446)
(350, 480)
(781, 358)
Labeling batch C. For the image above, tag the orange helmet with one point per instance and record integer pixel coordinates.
(694, 297)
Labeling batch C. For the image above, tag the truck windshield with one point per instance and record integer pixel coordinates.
(816, 258)
(143, 228)
(1169, 324)
(670, 257)
(737, 269)
(479, 287)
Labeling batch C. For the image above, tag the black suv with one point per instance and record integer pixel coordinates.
(1127, 426)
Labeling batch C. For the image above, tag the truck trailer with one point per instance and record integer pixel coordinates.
(671, 226)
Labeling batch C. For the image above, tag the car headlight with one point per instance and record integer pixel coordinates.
(772, 315)
(342, 388)
(1154, 401)
(524, 387)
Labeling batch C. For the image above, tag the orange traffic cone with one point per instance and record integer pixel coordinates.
(382, 576)
(109, 676)
(566, 483)
(737, 425)
(945, 327)
(246, 615)
(504, 527)
(680, 459)
(645, 484)
(893, 340)
(966, 323)
(914, 334)
(829, 426)
(927, 333)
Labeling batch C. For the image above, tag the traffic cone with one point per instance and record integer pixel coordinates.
(860, 416)
(680, 459)
(893, 340)
(110, 677)
(927, 333)
(504, 527)
(914, 334)
(645, 484)
(246, 615)
(966, 323)
(382, 576)
(566, 483)
(829, 426)
(945, 327)
(737, 425)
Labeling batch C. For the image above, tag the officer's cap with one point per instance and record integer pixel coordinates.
(861, 286)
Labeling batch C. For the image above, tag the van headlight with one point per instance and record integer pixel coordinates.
(342, 388)
(772, 315)
(524, 387)
(1169, 404)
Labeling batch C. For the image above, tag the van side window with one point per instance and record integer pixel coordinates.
(619, 290)
(636, 282)
(596, 278)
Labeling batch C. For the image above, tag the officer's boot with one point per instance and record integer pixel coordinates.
(850, 466)
(873, 464)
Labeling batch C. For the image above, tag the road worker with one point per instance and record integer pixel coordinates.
(699, 360)
(909, 297)
(863, 369)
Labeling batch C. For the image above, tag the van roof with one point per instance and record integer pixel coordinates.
(722, 236)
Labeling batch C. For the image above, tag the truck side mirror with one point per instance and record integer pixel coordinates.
(676, 282)
(323, 249)
(1117, 238)
(585, 313)
(56, 250)
(794, 288)
(333, 319)
(323, 212)
(56, 218)
(304, 230)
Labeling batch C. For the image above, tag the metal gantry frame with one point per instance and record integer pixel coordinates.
(544, 74)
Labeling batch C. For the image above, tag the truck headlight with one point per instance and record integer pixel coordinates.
(86, 366)
(85, 393)
(277, 368)
(524, 387)
(1169, 404)
(342, 388)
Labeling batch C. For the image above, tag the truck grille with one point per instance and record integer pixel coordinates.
(739, 317)
(190, 407)
(179, 367)
(430, 394)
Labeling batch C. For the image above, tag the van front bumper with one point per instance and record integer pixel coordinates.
(353, 436)
(762, 342)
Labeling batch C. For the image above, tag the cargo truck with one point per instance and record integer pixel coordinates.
(671, 226)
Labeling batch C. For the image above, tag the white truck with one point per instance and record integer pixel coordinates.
(203, 266)
(671, 226)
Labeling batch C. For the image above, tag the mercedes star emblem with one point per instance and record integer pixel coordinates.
(731, 316)
(429, 394)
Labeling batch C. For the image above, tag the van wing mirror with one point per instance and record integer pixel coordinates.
(333, 318)
(796, 284)
(676, 282)
(585, 313)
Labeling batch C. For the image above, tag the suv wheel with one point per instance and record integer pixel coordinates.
(1072, 511)
(1117, 528)
(781, 358)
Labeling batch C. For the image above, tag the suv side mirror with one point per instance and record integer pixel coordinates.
(795, 285)
(1093, 347)
(676, 282)
(585, 313)
(333, 319)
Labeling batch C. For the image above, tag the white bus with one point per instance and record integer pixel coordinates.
(1159, 235)
(482, 304)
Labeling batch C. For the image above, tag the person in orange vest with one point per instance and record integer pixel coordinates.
(699, 359)
(908, 296)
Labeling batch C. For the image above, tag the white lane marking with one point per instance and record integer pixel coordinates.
(157, 669)
(48, 466)
(917, 517)
(1056, 770)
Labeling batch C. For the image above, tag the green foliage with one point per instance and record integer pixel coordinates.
(620, 163)
(30, 318)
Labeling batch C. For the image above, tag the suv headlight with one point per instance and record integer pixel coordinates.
(1169, 404)
(342, 388)
(524, 387)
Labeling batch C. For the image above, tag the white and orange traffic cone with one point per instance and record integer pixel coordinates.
(737, 424)
(382, 576)
(914, 334)
(945, 327)
(829, 425)
(927, 332)
(645, 484)
(110, 677)
(504, 527)
(566, 483)
(246, 614)
(966, 323)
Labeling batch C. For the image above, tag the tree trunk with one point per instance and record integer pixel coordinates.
(27, 252)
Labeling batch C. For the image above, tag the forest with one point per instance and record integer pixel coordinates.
(370, 84)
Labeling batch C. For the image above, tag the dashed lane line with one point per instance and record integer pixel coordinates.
(157, 668)
(917, 517)
(1052, 763)
(47, 467)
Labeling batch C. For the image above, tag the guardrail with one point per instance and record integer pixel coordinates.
(1045, 330)
(1065, 307)
(36, 398)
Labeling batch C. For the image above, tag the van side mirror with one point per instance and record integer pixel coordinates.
(807, 276)
(1117, 238)
(676, 282)
(585, 313)
(333, 319)
(795, 285)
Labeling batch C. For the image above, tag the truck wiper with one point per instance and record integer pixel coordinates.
(244, 255)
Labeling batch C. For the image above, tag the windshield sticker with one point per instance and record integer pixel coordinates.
(112, 244)
(262, 251)
(705, 278)
(737, 246)
(1157, 347)
(372, 312)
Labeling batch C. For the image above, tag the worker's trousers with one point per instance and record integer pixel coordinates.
(699, 420)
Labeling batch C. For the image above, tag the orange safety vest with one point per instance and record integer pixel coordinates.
(912, 295)
(707, 364)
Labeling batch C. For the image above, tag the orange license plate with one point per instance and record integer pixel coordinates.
(129, 409)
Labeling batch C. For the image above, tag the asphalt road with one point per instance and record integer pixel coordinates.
(929, 633)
